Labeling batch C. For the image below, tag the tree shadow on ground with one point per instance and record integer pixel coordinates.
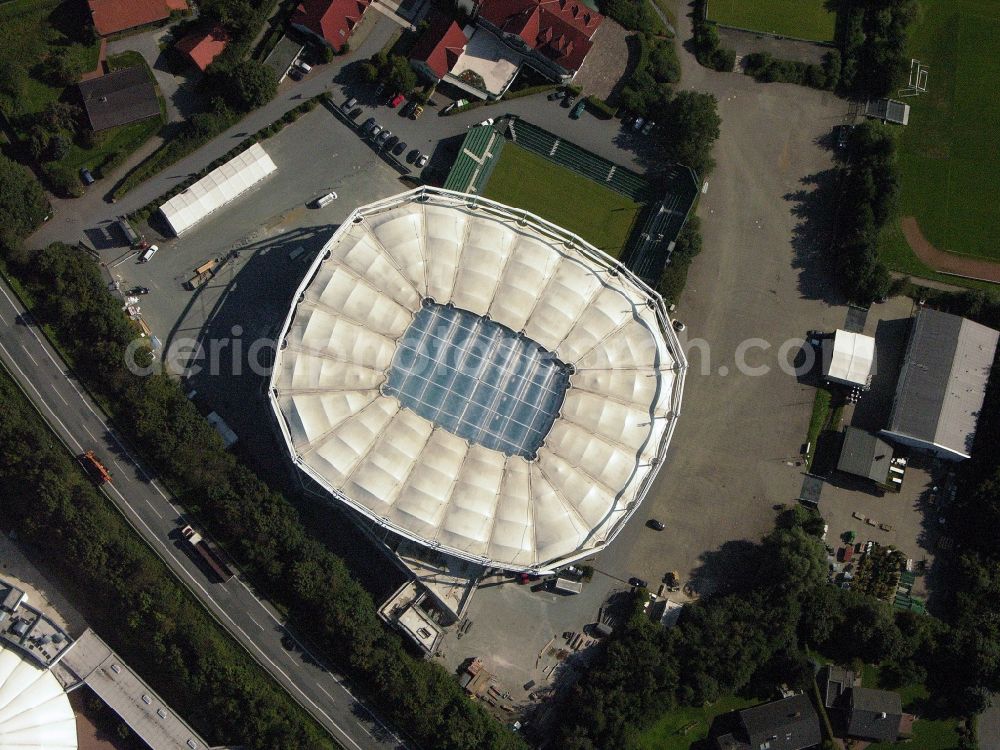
(813, 235)
(727, 569)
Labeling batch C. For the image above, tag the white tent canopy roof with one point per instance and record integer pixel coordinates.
(851, 358)
(348, 431)
(217, 188)
(34, 710)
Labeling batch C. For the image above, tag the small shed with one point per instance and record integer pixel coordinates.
(865, 455)
(849, 359)
(888, 110)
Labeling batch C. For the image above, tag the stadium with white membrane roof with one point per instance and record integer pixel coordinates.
(478, 380)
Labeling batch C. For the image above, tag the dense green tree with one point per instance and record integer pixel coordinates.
(691, 124)
(23, 205)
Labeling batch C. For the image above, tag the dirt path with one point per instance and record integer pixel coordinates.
(943, 262)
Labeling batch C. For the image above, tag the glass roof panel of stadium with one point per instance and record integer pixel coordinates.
(478, 379)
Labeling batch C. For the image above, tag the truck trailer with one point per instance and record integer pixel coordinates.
(207, 553)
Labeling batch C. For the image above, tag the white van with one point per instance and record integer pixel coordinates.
(326, 200)
(149, 253)
(304, 66)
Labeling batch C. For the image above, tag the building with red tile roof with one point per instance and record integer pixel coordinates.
(331, 21)
(204, 46)
(112, 16)
(438, 48)
(557, 34)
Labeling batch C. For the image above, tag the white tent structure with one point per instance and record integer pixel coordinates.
(848, 358)
(217, 188)
(34, 710)
(477, 380)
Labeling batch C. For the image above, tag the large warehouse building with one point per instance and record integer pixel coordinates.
(942, 385)
(478, 380)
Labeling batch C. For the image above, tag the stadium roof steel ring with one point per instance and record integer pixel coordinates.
(478, 380)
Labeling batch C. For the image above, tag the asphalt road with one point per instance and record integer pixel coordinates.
(253, 622)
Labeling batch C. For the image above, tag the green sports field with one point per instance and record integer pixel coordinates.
(601, 216)
(802, 19)
(948, 154)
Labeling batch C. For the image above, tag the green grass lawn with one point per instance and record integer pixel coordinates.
(948, 153)
(803, 19)
(598, 214)
(928, 734)
(679, 729)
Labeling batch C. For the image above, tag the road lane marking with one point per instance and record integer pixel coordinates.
(125, 473)
(40, 399)
(33, 360)
(88, 431)
(326, 693)
(59, 395)
(235, 627)
(254, 621)
(154, 508)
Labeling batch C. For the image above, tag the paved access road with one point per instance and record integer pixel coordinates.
(254, 623)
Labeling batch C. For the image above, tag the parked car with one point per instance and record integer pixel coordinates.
(417, 111)
(637, 582)
(87, 177)
(648, 127)
(569, 99)
(396, 100)
(137, 290)
(399, 148)
(367, 125)
(843, 134)
(391, 142)
(679, 326)
(557, 94)
(349, 105)
(408, 108)
(639, 122)
(412, 156)
(578, 110)
(656, 525)
(422, 160)
(382, 138)
(379, 89)
(375, 130)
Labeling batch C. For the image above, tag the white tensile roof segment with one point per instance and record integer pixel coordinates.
(545, 503)
(217, 188)
(34, 709)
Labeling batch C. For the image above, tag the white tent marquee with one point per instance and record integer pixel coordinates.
(217, 188)
(35, 713)
(848, 358)
(553, 332)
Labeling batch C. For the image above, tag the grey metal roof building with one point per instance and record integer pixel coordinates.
(788, 724)
(875, 714)
(119, 98)
(865, 455)
(942, 384)
(888, 110)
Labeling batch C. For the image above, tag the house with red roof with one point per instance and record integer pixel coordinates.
(330, 21)
(202, 47)
(112, 16)
(438, 49)
(556, 35)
